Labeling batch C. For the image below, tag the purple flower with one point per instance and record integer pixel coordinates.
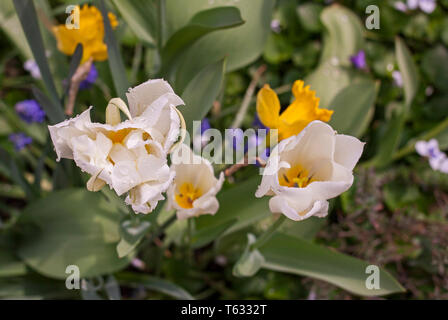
(427, 6)
(398, 79)
(359, 60)
(90, 79)
(30, 111)
(32, 67)
(437, 159)
(205, 125)
(276, 26)
(20, 140)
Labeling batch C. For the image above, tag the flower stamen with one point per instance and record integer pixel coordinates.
(187, 195)
(296, 177)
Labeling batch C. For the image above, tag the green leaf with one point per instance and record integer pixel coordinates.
(10, 265)
(201, 92)
(140, 15)
(74, 63)
(201, 23)
(53, 111)
(33, 286)
(344, 33)
(10, 24)
(207, 235)
(115, 60)
(153, 283)
(237, 203)
(328, 80)
(390, 139)
(408, 71)
(16, 174)
(71, 227)
(250, 261)
(278, 49)
(434, 65)
(354, 107)
(291, 255)
(309, 16)
(242, 45)
(131, 235)
(342, 39)
(28, 18)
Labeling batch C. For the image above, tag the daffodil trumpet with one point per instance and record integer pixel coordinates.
(303, 110)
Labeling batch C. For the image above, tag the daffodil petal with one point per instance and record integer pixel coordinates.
(268, 107)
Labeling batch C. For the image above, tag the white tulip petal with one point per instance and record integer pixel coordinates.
(62, 133)
(323, 162)
(143, 95)
(347, 150)
(124, 176)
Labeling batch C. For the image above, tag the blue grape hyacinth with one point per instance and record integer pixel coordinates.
(30, 111)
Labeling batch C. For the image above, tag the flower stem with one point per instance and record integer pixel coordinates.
(409, 148)
(190, 227)
(268, 233)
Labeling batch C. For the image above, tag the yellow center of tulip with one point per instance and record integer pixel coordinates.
(187, 195)
(295, 177)
(118, 136)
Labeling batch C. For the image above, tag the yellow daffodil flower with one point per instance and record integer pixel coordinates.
(303, 110)
(90, 34)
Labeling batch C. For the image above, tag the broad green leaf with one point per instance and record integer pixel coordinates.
(250, 261)
(33, 286)
(242, 45)
(278, 49)
(200, 24)
(115, 60)
(291, 255)
(344, 33)
(201, 92)
(408, 71)
(28, 18)
(435, 66)
(306, 229)
(10, 265)
(354, 107)
(237, 203)
(327, 80)
(131, 235)
(309, 16)
(390, 139)
(207, 235)
(140, 15)
(71, 227)
(342, 39)
(10, 24)
(153, 283)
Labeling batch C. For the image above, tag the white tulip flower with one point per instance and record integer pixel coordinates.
(194, 188)
(306, 170)
(130, 156)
